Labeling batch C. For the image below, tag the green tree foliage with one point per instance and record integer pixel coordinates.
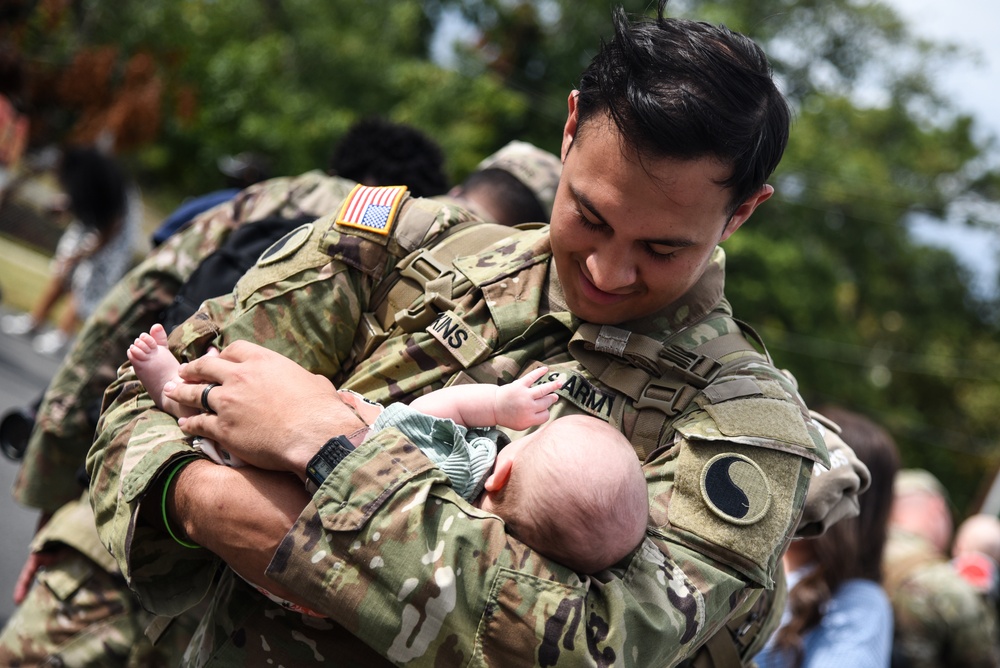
(288, 79)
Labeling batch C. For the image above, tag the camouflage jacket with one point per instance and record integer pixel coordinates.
(390, 552)
(939, 619)
(48, 477)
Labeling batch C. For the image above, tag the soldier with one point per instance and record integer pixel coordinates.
(82, 604)
(940, 619)
(621, 296)
(517, 184)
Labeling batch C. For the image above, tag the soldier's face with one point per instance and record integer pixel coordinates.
(629, 238)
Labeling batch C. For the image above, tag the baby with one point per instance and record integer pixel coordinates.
(572, 490)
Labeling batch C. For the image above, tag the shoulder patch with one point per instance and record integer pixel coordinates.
(371, 209)
(741, 499)
(285, 246)
(735, 488)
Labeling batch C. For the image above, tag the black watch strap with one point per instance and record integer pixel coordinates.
(327, 459)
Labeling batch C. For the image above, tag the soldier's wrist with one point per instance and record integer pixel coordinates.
(169, 507)
(327, 458)
(342, 423)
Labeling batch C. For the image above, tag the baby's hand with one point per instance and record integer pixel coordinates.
(521, 404)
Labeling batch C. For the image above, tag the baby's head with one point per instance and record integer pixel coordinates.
(573, 490)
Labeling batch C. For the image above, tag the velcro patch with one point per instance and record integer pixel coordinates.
(762, 418)
(465, 345)
(738, 498)
(732, 389)
(371, 209)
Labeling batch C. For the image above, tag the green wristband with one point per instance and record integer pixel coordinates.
(166, 487)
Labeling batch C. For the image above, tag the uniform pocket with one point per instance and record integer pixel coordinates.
(513, 632)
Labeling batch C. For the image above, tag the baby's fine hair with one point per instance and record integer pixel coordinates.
(578, 494)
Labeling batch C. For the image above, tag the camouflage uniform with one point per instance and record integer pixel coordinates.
(84, 601)
(405, 568)
(535, 168)
(940, 620)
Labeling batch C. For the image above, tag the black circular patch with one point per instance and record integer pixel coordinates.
(735, 488)
(285, 246)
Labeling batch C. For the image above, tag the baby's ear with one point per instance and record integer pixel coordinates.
(501, 474)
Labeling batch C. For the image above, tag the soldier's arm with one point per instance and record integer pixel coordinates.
(122, 479)
(66, 418)
(297, 302)
(388, 550)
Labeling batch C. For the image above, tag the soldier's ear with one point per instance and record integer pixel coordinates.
(569, 129)
(746, 209)
(501, 474)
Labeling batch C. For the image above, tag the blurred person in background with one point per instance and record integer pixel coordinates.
(515, 185)
(837, 614)
(940, 620)
(976, 556)
(93, 253)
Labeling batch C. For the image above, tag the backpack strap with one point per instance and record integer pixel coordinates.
(422, 284)
(661, 379)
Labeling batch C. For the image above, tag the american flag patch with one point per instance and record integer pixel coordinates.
(371, 209)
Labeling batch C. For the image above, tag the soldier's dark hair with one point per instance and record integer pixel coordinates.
(851, 548)
(687, 90)
(377, 152)
(512, 201)
(96, 187)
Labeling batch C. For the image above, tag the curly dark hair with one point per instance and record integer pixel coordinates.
(96, 186)
(379, 153)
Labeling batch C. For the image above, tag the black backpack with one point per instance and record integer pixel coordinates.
(219, 271)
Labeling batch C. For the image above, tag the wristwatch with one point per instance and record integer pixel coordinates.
(329, 457)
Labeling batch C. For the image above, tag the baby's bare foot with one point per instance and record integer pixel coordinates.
(155, 366)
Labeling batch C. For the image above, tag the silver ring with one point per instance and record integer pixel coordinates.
(204, 397)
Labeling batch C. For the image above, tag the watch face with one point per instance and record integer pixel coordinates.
(329, 456)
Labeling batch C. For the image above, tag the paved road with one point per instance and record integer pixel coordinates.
(23, 377)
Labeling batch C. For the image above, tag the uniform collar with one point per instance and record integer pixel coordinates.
(705, 296)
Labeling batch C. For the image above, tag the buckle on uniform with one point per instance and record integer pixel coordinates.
(683, 374)
(422, 267)
(370, 336)
(697, 370)
(419, 317)
(663, 394)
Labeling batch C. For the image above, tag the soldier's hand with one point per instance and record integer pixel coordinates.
(265, 408)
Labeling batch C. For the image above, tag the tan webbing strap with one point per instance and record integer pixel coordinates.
(718, 652)
(665, 378)
(653, 375)
(157, 627)
(422, 284)
(725, 345)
